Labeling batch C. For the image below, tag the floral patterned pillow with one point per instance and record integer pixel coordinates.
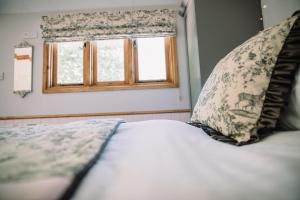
(244, 95)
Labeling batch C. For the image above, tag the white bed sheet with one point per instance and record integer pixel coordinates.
(170, 160)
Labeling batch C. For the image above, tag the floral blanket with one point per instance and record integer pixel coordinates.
(37, 151)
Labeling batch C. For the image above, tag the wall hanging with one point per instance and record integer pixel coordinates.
(23, 69)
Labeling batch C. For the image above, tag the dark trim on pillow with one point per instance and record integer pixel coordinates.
(297, 12)
(281, 81)
(283, 126)
(220, 137)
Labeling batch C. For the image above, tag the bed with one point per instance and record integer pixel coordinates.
(238, 152)
(165, 159)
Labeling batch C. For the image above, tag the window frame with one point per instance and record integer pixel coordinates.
(127, 64)
(90, 83)
(55, 69)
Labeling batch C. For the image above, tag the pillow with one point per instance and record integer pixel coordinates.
(244, 95)
(290, 119)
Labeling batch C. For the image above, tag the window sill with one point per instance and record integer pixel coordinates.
(94, 88)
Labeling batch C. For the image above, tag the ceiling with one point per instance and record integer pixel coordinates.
(29, 6)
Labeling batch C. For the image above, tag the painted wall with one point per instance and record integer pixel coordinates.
(274, 11)
(220, 26)
(29, 6)
(223, 25)
(12, 29)
(193, 52)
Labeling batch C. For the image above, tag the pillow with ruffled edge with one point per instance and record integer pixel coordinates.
(243, 97)
(290, 118)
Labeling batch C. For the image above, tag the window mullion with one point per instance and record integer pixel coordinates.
(128, 64)
(135, 62)
(86, 64)
(54, 65)
(173, 68)
(94, 63)
(46, 67)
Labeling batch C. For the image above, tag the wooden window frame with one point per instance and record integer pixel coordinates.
(127, 48)
(90, 83)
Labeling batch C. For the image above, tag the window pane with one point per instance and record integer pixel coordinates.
(110, 60)
(151, 58)
(69, 62)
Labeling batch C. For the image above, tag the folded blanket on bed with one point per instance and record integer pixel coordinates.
(38, 151)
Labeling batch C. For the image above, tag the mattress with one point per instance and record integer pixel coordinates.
(170, 160)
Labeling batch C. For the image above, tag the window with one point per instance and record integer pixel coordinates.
(151, 59)
(110, 65)
(69, 64)
(110, 60)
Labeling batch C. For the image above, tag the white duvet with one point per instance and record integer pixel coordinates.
(171, 160)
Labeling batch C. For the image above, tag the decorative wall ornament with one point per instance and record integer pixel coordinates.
(23, 69)
(108, 25)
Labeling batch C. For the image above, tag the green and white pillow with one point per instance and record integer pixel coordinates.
(245, 93)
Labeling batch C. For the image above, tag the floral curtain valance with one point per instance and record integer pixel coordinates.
(108, 25)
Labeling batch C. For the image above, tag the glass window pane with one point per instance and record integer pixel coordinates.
(151, 58)
(110, 60)
(69, 62)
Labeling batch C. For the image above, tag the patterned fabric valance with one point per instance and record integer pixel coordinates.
(108, 25)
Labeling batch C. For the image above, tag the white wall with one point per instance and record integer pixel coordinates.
(220, 27)
(29, 6)
(193, 52)
(12, 29)
(274, 11)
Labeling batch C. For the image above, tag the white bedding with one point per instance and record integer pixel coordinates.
(171, 160)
